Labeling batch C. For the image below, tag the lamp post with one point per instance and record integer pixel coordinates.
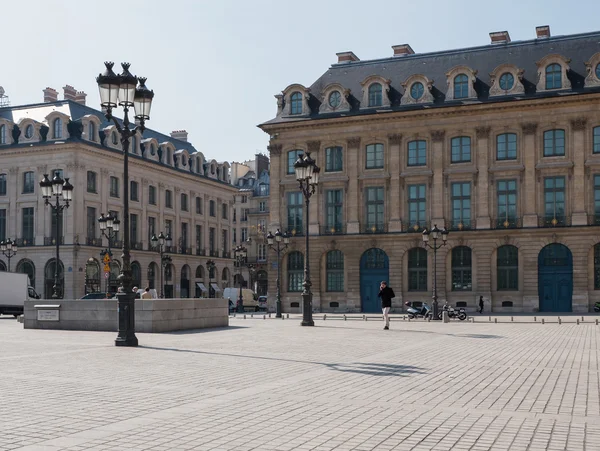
(109, 227)
(56, 187)
(9, 249)
(435, 234)
(210, 266)
(307, 174)
(240, 254)
(278, 238)
(123, 90)
(161, 240)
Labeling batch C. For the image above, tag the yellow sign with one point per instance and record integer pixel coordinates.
(106, 258)
(106, 268)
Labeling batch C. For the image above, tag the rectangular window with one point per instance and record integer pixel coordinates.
(133, 228)
(134, 194)
(417, 269)
(199, 242)
(2, 184)
(506, 146)
(262, 206)
(28, 227)
(152, 195)
(28, 183)
(211, 239)
(234, 236)
(334, 211)
(597, 199)
(262, 225)
(224, 241)
(416, 205)
(224, 209)
(507, 203)
(596, 140)
(375, 205)
(333, 159)
(554, 143)
(244, 234)
(461, 149)
(2, 224)
(292, 157)
(114, 187)
(261, 250)
(374, 154)
(244, 199)
(212, 208)
(184, 235)
(169, 199)
(417, 153)
(198, 205)
(91, 182)
(91, 222)
(169, 227)
(461, 205)
(294, 212)
(184, 202)
(151, 229)
(554, 199)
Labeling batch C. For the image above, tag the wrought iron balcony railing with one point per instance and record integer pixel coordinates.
(506, 223)
(226, 254)
(24, 242)
(137, 246)
(200, 251)
(337, 229)
(213, 253)
(185, 250)
(373, 228)
(461, 225)
(258, 211)
(554, 221)
(51, 241)
(414, 227)
(594, 219)
(93, 241)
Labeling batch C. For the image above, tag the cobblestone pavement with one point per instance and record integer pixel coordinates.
(273, 385)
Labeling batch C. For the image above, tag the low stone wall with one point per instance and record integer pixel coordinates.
(151, 315)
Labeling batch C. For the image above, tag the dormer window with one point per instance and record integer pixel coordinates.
(168, 156)
(375, 95)
(114, 138)
(507, 81)
(296, 103)
(335, 99)
(2, 134)
(552, 73)
(91, 131)
(29, 131)
(57, 126)
(461, 86)
(152, 149)
(461, 83)
(553, 76)
(417, 90)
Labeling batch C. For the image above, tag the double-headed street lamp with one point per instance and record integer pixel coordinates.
(210, 266)
(435, 234)
(123, 90)
(277, 239)
(56, 187)
(307, 174)
(9, 249)
(109, 227)
(240, 253)
(161, 240)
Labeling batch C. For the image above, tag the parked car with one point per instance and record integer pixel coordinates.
(262, 303)
(97, 296)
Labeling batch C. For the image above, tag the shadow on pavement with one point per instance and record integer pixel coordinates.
(202, 331)
(419, 332)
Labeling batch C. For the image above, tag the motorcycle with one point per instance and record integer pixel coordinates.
(416, 312)
(453, 313)
(597, 307)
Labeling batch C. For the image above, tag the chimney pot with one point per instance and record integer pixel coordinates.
(346, 57)
(403, 50)
(181, 135)
(499, 37)
(69, 92)
(50, 95)
(542, 32)
(80, 97)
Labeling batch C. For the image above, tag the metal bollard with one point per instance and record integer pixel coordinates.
(365, 317)
(344, 317)
(577, 321)
(542, 320)
(535, 319)
(582, 319)
(269, 315)
(559, 321)
(324, 317)
(596, 321)
(244, 316)
(264, 316)
(234, 314)
(490, 318)
(511, 319)
(251, 315)
(288, 315)
(495, 320)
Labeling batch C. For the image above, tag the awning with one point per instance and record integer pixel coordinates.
(215, 287)
(201, 286)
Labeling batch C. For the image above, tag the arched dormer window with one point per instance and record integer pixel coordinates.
(593, 71)
(417, 89)
(461, 83)
(29, 131)
(334, 98)
(506, 79)
(375, 95)
(3, 134)
(296, 103)
(114, 138)
(461, 86)
(553, 76)
(57, 127)
(375, 92)
(552, 73)
(91, 131)
(293, 100)
(169, 157)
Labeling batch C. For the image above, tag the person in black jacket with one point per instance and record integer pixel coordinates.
(386, 294)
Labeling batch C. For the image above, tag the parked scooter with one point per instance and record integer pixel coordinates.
(453, 312)
(415, 312)
(597, 307)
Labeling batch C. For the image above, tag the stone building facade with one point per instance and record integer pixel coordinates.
(173, 189)
(498, 143)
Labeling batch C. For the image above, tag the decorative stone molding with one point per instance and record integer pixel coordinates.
(592, 65)
(579, 123)
(329, 101)
(554, 58)
(471, 76)
(426, 97)
(529, 128)
(438, 135)
(354, 141)
(41, 169)
(483, 132)
(395, 139)
(177, 190)
(517, 87)
(385, 88)
(15, 169)
(104, 171)
(145, 181)
(275, 149)
(313, 146)
(161, 185)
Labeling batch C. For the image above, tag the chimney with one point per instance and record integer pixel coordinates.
(80, 97)
(69, 92)
(50, 95)
(499, 37)
(181, 135)
(542, 32)
(403, 50)
(346, 57)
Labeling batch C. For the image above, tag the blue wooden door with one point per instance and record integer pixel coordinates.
(555, 278)
(374, 267)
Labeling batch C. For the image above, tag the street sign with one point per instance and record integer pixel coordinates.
(106, 259)
(107, 268)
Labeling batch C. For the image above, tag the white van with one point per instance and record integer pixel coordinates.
(249, 298)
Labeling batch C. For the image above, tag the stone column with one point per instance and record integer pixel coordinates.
(578, 127)
(529, 190)
(274, 190)
(437, 166)
(483, 201)
(395, 224)
(352, 194)
(315, 201)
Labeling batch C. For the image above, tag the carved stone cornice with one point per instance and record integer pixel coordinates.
(579, 123)
(275, 149)
(483, 132)
(438, 135)
(313, 146)
(41, 169)
(395, 139)
(15, 169)
(529, 128)
(354, 141)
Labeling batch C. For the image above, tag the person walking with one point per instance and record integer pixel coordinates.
(480, 305)
(146, 294)
(386, 294)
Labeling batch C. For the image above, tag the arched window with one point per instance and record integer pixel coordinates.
(136, 275)
(461, 86)
(91, 131)
(57, 126)
(417, 269)
(199, 272)
(335, 271)
(296, 103)
(29, 131)
(507, 262)
(26, 266)
(169, 156)
(461, 269)
(2, 266)
(152, 274)
(295, 271)
(3, 134)
(553, 76)
(375, 94)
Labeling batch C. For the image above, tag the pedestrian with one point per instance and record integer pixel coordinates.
(480, 305)
(146, 294)
(386, 294)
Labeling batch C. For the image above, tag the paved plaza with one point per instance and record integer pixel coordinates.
(273, 385)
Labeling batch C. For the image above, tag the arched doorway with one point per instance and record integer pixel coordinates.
(2, 266)
(555, 278)
(26, 266)
(92, 276)
(136, 275)
(200, 287)
(169, 277)
(152, 274)
(184, 282)
(262, 283)
(374, 267)
(49, 278)
(225, 277)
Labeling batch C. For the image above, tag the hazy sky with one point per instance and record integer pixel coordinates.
(216, 65)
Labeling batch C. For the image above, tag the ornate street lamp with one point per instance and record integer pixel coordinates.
(240, 253)
(210, 266)
(307, 174)
(161, 240)
(278, 238)
(123, 90)
(109, 227)
(56, 187)
(9, 249)
(435, 234)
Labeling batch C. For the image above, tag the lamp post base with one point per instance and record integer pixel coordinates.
(435, 311)
(278, 309)
(307, 319)
(126, 312)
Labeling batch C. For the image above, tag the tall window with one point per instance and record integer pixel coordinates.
(184, 235)
(596, 140)
(168, 198)
(225, 240)
(374, 156)
(198, 205)
(506, 146)
(134, 191)
(212, 239)
(2, 184)
(461, 268)
(554, 143)
(335, 271)
(91, 131)
(333, 159)
(92, 182)
(244, 234)
(375, 94)
(597, 267)
(461, 149)
(28, 182)
(28, 225)
(553, 76)
(461, 86)
(114, 187)
(292, 157)
(295, 271)
(199, 242)
(597, 199)
(507, 263)
(261, 250)
(262, 206)
(133, 228)
(169, 227)
(507, 203)
(3, 134)
(224, 209)
(461, 204)
(334, 211)
(417, 269)
(554, 199)
(2, 224)
(294, 212)
(212, 208)
(91, 222)
(151, 229)
(152, 195)
(416, 205)
(296, 103)
(184, 202)
(57, 125)
(375, 205)
(417, 153)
